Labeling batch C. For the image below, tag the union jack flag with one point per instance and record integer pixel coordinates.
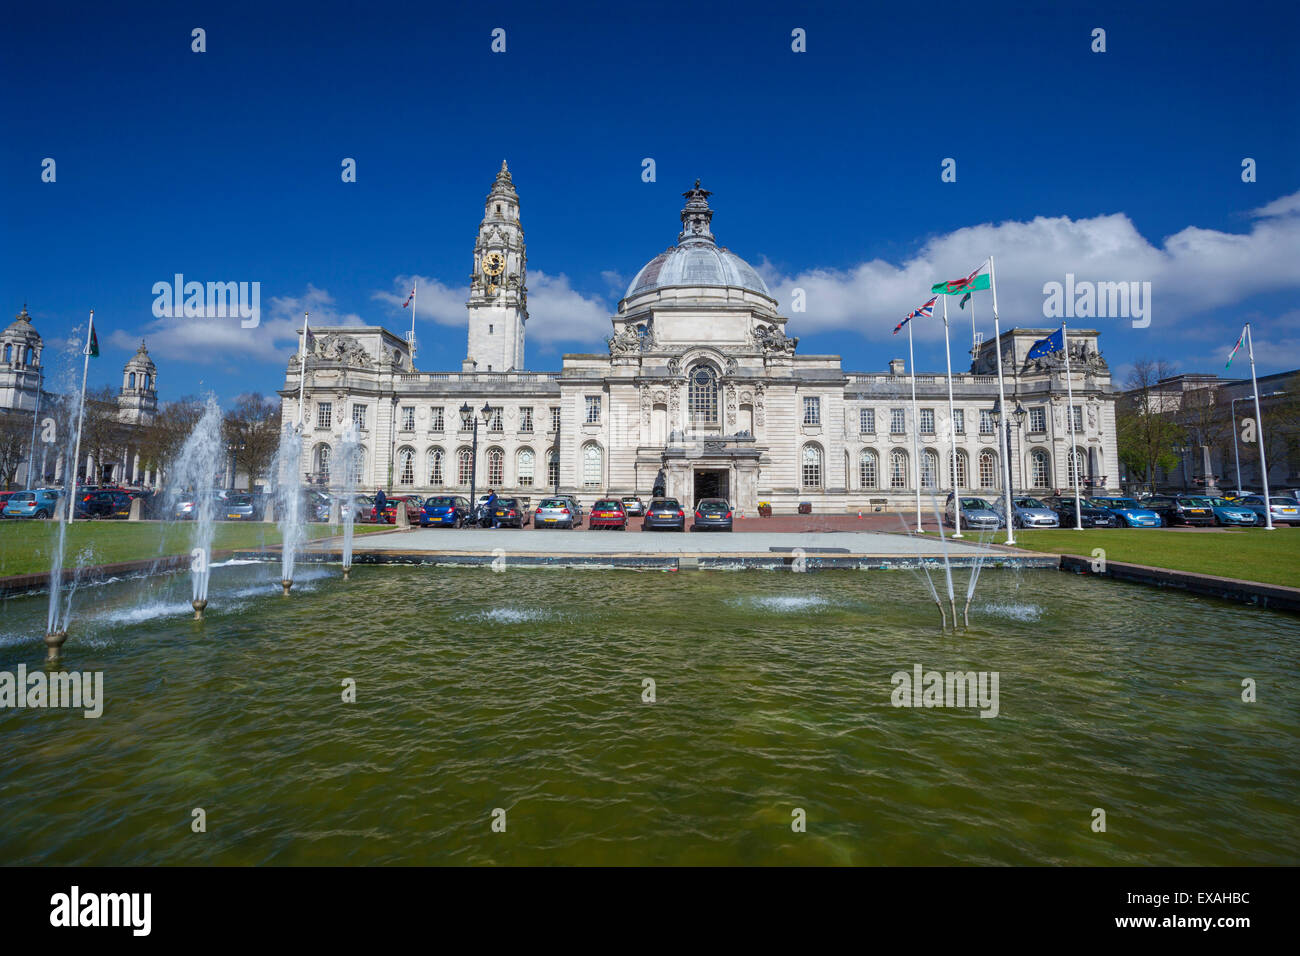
(925, 312)
(408, 299)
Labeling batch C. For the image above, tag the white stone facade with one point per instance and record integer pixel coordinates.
(700, 381)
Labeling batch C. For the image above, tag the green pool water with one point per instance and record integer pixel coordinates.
(524, 691)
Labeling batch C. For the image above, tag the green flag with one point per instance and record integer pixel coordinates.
(962, 286)
(92, 343)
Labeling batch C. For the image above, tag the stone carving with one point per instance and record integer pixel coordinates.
(730, 366)
(731, 404)
(1092, 414)
(339, 348)
(674, 366)
(760, 415)
(769, 338)
(645, 404)
(660, 397)
(625, 342)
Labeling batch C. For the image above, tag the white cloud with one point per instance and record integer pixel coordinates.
(1192, 271)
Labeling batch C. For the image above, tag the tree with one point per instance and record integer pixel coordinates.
(15, 436)
(252, 428)
(103, 436)
(1144, 421)
(160, 441)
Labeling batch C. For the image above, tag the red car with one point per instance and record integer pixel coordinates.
(412, 504)
(608, 513)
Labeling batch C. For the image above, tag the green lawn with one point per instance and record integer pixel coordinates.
(1252, 554)
(26, 546)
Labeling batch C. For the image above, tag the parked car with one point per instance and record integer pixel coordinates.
(1284, 510)
(1027, 512)
(632, 505)
(554, 512)
(664, 514)
(243, 506)
(444, 511)
(1091, 516)
(4, 500)
(608, 513)
(105, 504)
(362, 505)
(41, 503)
(1131, 513)
(712, 514)
(1181, 509)
(975, 513)
(576, 507)
(1231, 513)
(509, 513)
(412, 503)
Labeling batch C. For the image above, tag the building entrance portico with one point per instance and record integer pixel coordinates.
(712, 483)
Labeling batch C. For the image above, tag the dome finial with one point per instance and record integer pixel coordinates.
(696, 216)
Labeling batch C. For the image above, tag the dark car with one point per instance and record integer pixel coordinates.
(608, 513)
(509, 513)
(444, 511)
(712, 514)
(1181, 509)
(243, 506)
(1090, 517)
(664, 514)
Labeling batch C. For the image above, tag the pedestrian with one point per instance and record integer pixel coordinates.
(381, 502)
(490, 505)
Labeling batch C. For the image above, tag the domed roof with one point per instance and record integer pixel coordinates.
(697, 260)
(141, 359)
(21, 328)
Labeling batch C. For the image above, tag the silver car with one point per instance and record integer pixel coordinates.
(633, 505)
(976, 513)
(556, 511)
(1027, 512)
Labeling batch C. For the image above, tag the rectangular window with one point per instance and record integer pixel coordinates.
(1078, 418)
(436, 421)
(324, 414)
(593, 409)
(959, 421)
(986, 422)
(927, 421)
(494, 420)
(812, 410)
(553, 470)
(359, 416)
(526, 418)
(1038, 419)
(555, 419)
(408, 418)
(867, 421)
(897, 421)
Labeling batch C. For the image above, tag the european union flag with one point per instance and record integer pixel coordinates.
(1053, 343)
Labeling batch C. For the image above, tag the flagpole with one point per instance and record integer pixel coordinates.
(916, 427)
(952, 428)
(1002, 403)
(414, 299)
(81, 415)
(1259, 431)
(1071, 462)
(302, 369)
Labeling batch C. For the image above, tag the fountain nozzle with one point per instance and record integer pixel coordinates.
(199, 604)
(54, 642)
(347, 574)
(965, 614)
(287, 583)
(942, 616)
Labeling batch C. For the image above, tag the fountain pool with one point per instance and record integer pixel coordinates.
(772, 691)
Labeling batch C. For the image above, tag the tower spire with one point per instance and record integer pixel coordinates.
(696, 216)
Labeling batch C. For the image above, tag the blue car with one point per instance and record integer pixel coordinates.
(1231, 513)
(444, 511)
(1130, 512)
(42, 503)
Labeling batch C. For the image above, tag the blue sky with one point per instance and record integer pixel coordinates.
(825, 167)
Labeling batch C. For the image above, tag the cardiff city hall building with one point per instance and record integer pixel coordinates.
(700, 389)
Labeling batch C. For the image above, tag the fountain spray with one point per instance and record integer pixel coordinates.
(197, 465)
(947, 563)
(984, 552)
(928, 580)
(351, 469)
(288, 501)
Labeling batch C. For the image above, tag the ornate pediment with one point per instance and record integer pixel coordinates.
(342, 349)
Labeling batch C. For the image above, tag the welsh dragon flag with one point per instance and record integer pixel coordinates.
(975, 282)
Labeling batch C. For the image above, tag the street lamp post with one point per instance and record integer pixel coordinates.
(1003, 425)
(556, 455)
(467, 414)
(233, 448)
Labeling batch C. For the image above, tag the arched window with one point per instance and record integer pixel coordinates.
(962, 469)
(1040, 475)
(524, 466)
(552, 468)
(988, 469)
(703, 395)
(496, 467)
(354, 465)
(812, 466)
(435, 467)
(591, 465)
(898, 469)
(464, 466)
(406, 466)
(868, 472)
(131, 380)
(321, 464)
(1077, 466)
(929, 469)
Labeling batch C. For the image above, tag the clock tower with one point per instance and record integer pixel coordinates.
(498, 297)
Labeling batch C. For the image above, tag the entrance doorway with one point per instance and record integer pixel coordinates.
(711, 483)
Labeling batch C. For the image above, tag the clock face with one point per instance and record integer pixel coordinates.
(494, 263)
